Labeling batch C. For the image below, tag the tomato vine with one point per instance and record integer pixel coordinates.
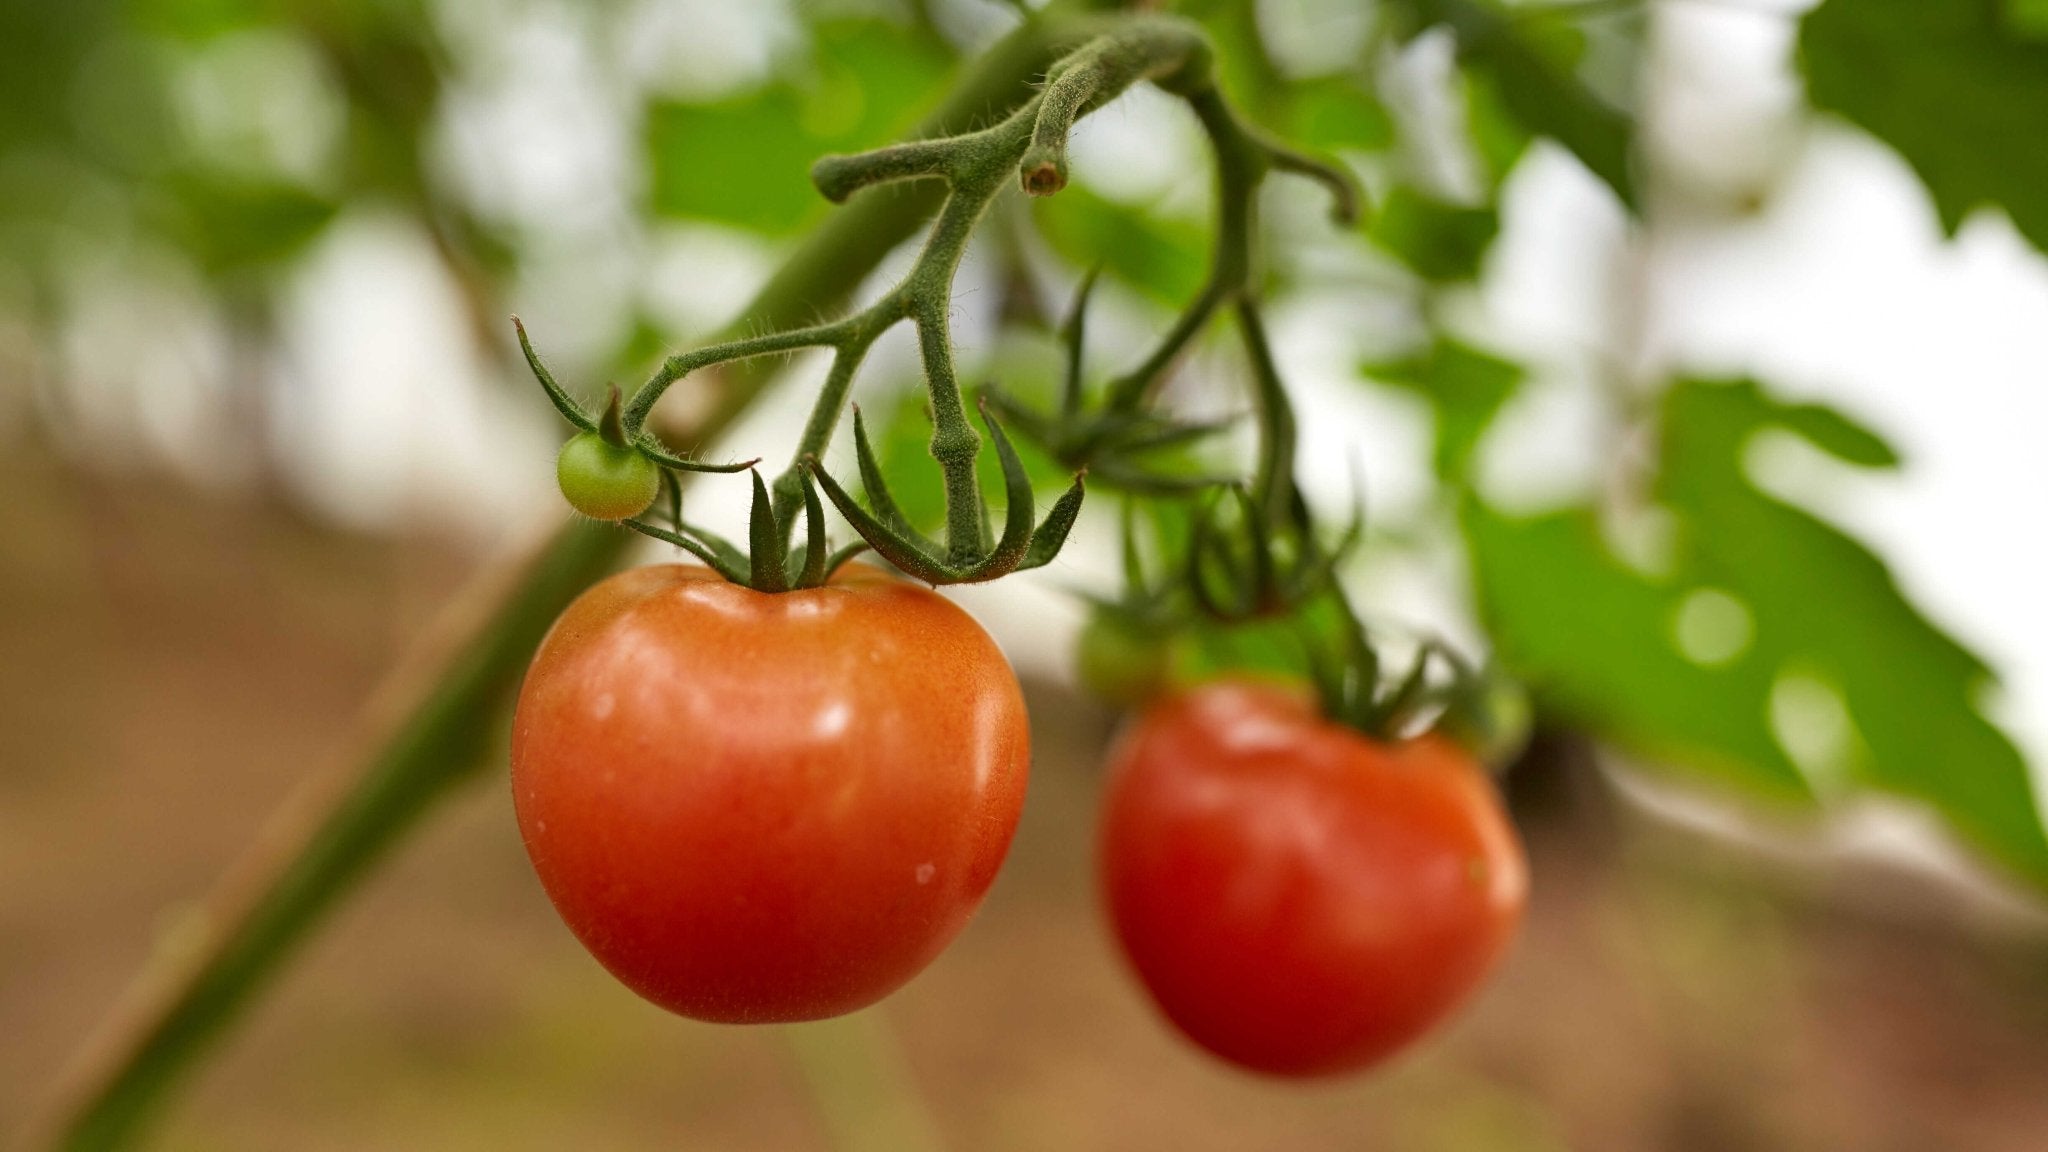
(1028, 146)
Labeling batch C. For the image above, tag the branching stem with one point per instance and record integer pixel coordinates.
(976, 166)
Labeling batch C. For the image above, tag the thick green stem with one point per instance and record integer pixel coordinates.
(824, 419)
(955, 444)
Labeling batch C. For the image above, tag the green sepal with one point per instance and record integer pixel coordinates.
(768, 571)
(882, 537)
(886, 511)
(814, 571)
(1020, 546)
(651, 447)
(838, 559)
(1390, 713)
(563, 402)
(1051, 535)
(718, 558)
(1018, 510)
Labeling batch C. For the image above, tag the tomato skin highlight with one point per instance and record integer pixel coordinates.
(757, 807)
(1297, 898)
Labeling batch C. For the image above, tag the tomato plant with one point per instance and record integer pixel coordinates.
(754, 807)
(1298, 898)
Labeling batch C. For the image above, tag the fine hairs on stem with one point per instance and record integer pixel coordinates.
(1028, 146)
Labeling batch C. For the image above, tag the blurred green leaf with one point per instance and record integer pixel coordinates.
(739, 162)
(1243, 65)
(1498, 135)
(1589, 636)
(1165, 259)
(1441, 242)
(1824, 601)
(1605, 643)
(1529, 65)
(231, 226)
(1959, 93)
(1837, 435)
(1465, 386)
(2027, 18)
(201, 19)
(1339, 112)
(746, 160)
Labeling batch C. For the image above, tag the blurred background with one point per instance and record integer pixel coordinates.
(1692, 359)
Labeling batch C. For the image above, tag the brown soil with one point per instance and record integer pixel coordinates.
(170, 669)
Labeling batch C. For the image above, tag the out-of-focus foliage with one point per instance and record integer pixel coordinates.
(1959, 87)
(746, 159)
(1467, 388)
(1764, 646)
(1161, 256)
(1527, 63)
(1737, 636)
(1439, 241)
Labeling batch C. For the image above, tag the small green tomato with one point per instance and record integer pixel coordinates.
(604, 481)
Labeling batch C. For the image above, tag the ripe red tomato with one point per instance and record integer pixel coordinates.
(754, 807)
(1298, 898)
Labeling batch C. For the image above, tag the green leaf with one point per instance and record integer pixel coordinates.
(1525, 65)
(1957, 90)
(1588, 635)
(231, 225)
(737, 162)
(1165, 259)
(1441, 242)
(1803, 608)
(1466, 386)
(1339, 112)
(746, 160)
(1837, 435)
(2027, 18)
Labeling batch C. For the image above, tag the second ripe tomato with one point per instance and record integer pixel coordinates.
(758, 807)
(1300, 899)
